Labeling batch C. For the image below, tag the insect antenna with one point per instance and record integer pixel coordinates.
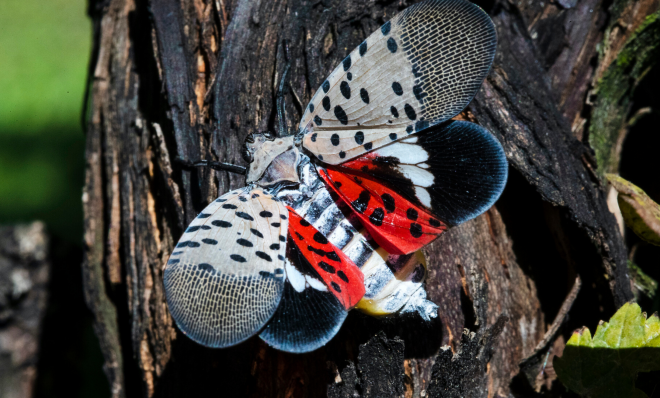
(220, 166)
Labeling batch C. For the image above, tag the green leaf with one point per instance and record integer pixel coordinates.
(639, 211)
(607, 364)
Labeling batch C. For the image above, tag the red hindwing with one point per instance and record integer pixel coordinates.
(342, 277)
(394, 222)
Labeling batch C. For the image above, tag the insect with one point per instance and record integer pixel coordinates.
(333, 217)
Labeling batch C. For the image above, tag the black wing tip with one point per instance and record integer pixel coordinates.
(304, 321)
(483, 161)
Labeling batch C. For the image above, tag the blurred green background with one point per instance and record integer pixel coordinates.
(44, 49)
(44, 54)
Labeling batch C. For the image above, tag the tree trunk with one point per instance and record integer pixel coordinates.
(191, 78)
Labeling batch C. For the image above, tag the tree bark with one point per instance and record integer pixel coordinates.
(191, 78)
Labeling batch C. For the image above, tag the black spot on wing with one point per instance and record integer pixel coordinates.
(319, 238)
(412, 214)
(368, 146)
(419, 92)
(311, 107)
(242, 198)
(275, 246)
(396, 87)
(377, 216)
(188, 243)
(349, 76)
(393, 136)
(276, 224)
(244, 216)
(256, 232)
(345, 89)
(362, 202)
(342, 276)
(238, 258)
(334, 139)
(221, 223)
(326, 267)
(434, 222)
(229, 206)
(203, 215)
(325, 86)
(220, 200)
(364, 95)
(336, 287)
(342, 154)
(304, 223)
(359, 137)
(415, 230)
(346, 63)
(326, 103)
(318, 120)
(173, 261)
(410, 112)
(210, 241)
(363, 48)
(206, 267)
(265, 214)
(391, 45)
(282, 238)
(394, 111)
(388, 201)
(313, 137)
(244, 242)
(341, 115)
(263, 255)
(385, 29)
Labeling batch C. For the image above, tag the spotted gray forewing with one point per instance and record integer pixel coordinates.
(419, 69)
(225, 278)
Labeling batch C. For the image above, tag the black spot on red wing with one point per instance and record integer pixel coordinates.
(336, 287)
(304, 223)
(364, 94)
(318, 120)
(412, 214)
(265, 214)
(313, 137)
(345, 89)
(210, 241)
(326, 267)
(388, 201)
(334, 139)
(415, 230)
(341, 115)
(319, 238)
(325, 86)
(377, 216)
(238, 258)
(326, 103)
(282, 238)
(364, 168)
(385, 29)
(337, 184)
(244, 216)
(333, 256)
(188, 243)
(363, 48)
(434, 222)
(275, 246)
(300, 237)
(203, 215)
(342, 276)
(221, 223)
(256, 232)
(362, 202)
(347, 63)
(206, 267)
(393, 136)
(229, 206)
(368, 146)
(342, 154)
(396, 87)
(244, 242)
(410, 112)
(394, 111)
(276, 224)
(359, 137)
(349, 76)
(263, 255)
(357, 179)
(391, 45)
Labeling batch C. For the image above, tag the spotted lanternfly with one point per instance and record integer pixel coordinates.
(334, 216)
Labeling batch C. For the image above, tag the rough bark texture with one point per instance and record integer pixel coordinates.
(191, 78)
(24, 274)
